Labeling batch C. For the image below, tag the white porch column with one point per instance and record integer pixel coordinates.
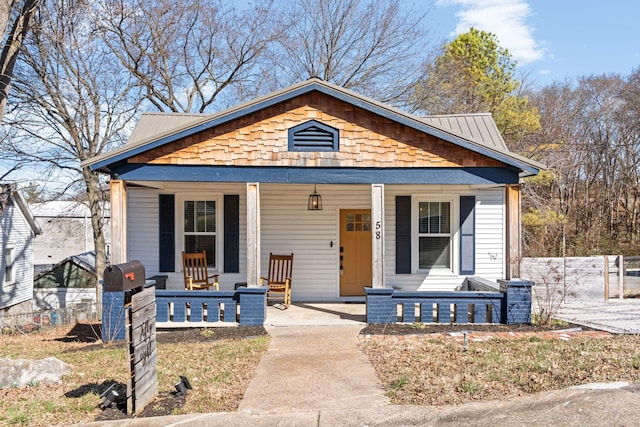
(118, 192)
(253, 234)
(377, 246)
(512, 200)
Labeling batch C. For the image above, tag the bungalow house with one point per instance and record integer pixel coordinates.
(18, 229)
(363, 194)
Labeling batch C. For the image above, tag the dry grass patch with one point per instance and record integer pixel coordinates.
(438, 371)
(218, 369)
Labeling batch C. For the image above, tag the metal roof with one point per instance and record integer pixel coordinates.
(157, 125)
(85, 260)
(478, 127)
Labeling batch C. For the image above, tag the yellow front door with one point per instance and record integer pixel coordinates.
(355, 251)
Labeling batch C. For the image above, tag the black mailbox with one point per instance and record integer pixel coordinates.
(124, 277)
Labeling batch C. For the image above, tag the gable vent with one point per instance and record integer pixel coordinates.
(313, 136)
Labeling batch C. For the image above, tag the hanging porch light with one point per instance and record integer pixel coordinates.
(315, 200)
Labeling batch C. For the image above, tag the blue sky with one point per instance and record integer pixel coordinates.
(551, 39)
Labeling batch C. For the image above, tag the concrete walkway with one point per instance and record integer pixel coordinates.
(311, 368)
(616, 316)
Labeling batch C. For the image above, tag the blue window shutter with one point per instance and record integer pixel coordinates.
(403, 234)
(166, 218)
(232, 234)
(467, 235)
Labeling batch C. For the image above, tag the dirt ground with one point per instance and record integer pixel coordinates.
(167, 402)
(421, 328)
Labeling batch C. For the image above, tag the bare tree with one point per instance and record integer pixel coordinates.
(375, 48)
(548, 198)
(21, 16)
(588, 202)
(72, 101)
(188, 55)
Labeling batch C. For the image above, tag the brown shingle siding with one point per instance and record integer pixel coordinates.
(366, 140)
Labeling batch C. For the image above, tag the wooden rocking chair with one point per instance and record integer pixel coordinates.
(279, 278)
(196, 276)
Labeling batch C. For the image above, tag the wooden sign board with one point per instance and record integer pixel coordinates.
(142, 387)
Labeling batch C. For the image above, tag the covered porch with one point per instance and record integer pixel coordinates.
(365, 235)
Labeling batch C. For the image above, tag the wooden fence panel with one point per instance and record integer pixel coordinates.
(573, 279)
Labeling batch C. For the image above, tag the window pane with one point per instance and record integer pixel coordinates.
(196, 243)
(211, 216)
(434, 252)
(423, 217)
(189, 215)
(434, 218)
(8, 265)
(445, 227)
(201, 216)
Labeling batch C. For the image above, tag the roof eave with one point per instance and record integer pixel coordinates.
(24, 208)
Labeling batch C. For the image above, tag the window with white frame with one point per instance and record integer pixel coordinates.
(200, 229)
(8, 265)
(434, 235)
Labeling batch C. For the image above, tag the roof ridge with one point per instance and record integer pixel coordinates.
(172, 113)
(486, 113)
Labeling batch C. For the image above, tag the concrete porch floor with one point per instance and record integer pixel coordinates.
(317, 314)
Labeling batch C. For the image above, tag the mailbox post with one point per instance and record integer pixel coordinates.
(129, 312)
(120, 282)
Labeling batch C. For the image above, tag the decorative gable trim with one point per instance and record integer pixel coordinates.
(106, 162)
(314, 136)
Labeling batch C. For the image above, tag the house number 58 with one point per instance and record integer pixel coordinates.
(378, 230)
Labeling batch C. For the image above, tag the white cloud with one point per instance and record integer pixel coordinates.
(504, 18)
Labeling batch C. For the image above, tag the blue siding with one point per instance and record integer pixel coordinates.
(327, 175)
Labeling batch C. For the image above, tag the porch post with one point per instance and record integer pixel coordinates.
(377, 246)
(253, 233)
(512, 199)
(118, 191)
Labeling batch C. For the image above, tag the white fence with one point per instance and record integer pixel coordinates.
(594, 278)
